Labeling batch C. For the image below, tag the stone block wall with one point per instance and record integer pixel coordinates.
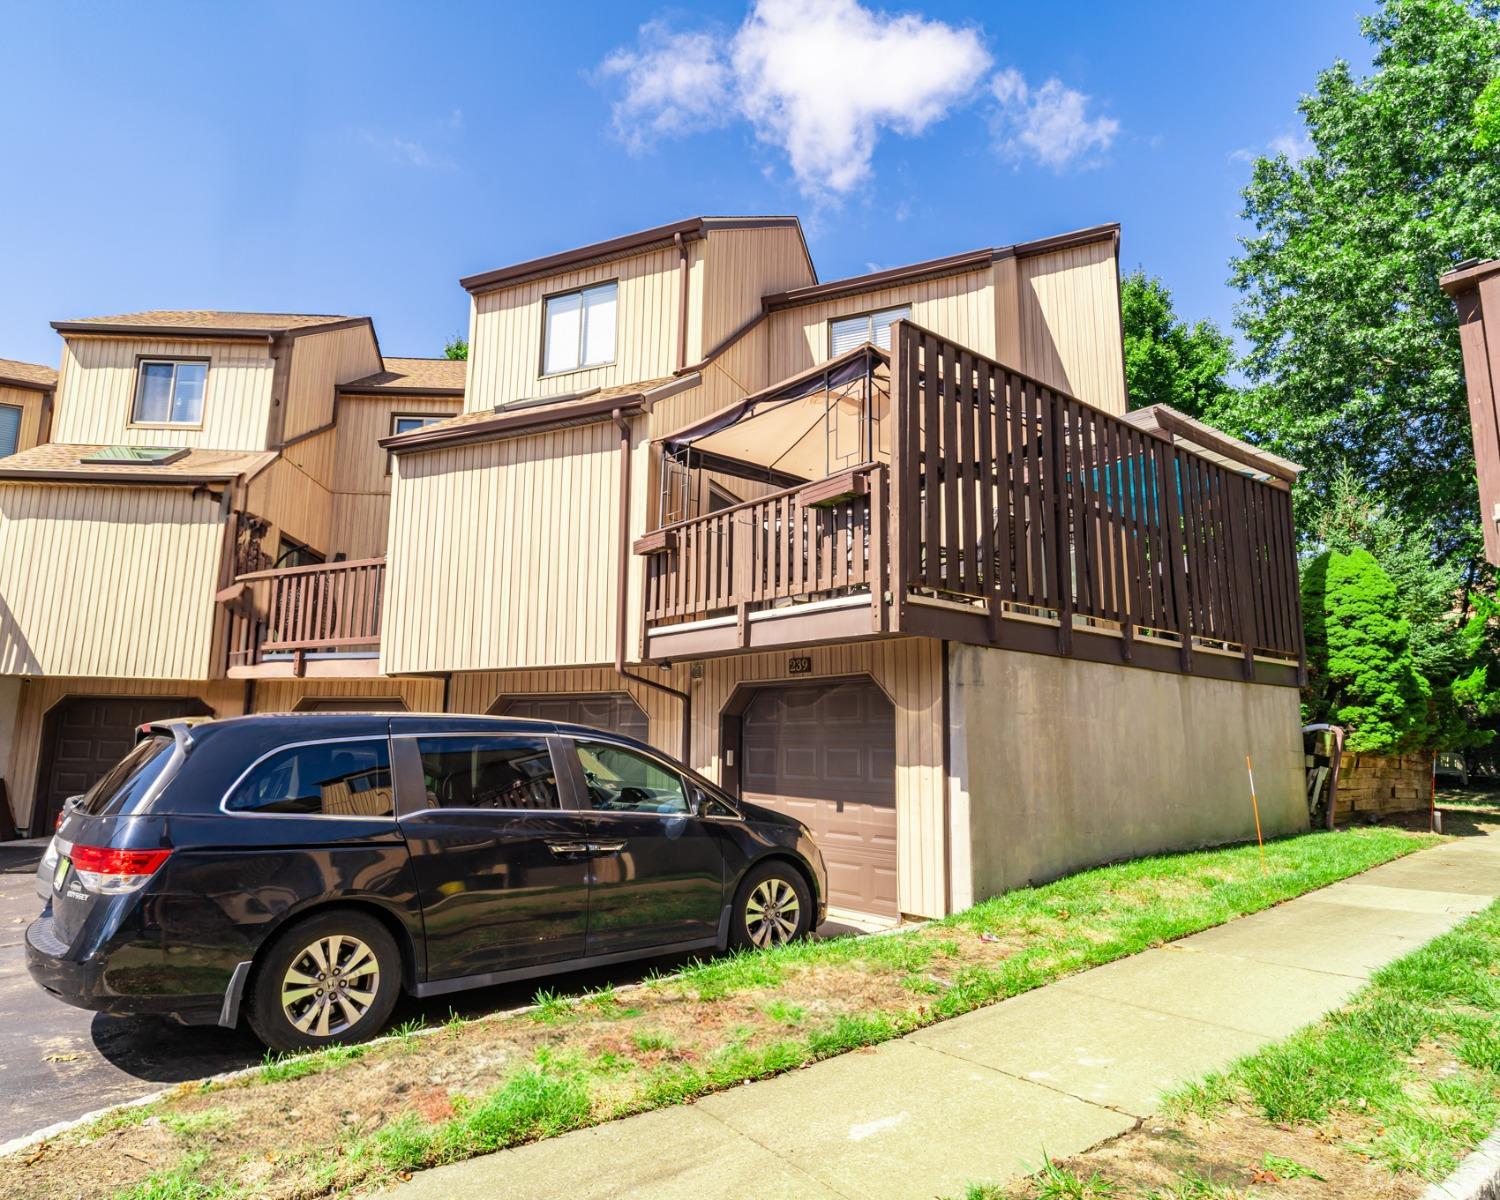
(1372, 785)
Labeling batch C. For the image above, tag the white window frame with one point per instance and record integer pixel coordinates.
(140, 391)
(610, 285)
(868, 318)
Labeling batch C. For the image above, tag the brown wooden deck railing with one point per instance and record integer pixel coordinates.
(1009, 492)
(1006, 498)
(301, 610)
(797, 543)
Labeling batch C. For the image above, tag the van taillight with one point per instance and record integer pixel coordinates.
(111, 872)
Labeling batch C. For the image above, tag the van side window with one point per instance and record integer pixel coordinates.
(620, 780)
(331, 779)
(488, 772)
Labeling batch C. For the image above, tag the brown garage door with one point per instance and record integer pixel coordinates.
(84, 736)
(826, 755)
(614, 712)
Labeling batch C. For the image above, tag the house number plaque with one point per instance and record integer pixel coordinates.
(800, 664)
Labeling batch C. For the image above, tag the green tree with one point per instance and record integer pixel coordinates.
(1361, 674)
(1449, 625)
(1354, 353)
(457, 347)
(1168, 361)
(1487, 117)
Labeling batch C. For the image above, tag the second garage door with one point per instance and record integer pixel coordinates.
(825, 754)
(84, 736)
(614, 712)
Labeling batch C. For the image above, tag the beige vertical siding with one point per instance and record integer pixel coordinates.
(743, 266)
(293, 498)
(283, 695)
(96, 394)
(502, 554)
(224, 697)
(108, 581)
(505, 354)
(911, 673)
(961, 307)
(320, 361)
(30, 403)
(1070, 323)
(481, 691)
(363, 421)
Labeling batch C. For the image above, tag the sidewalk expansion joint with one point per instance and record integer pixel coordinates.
(1060, 1091)
(755, 1141)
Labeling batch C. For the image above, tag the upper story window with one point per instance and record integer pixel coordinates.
(849, 332)
(406, 422)
(170, 392)
(10, 429)
(579, 329)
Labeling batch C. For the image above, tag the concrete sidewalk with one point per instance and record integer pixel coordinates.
(1065, 1066)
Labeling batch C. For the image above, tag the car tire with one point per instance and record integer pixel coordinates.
(773, 906)
(351, 953)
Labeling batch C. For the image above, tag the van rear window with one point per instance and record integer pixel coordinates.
(127, 781)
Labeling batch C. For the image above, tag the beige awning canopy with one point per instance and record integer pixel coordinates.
(803, 428)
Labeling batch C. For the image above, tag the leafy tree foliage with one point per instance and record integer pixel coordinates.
(457, 347)
(1354, 353)
(1449, 625)
(1361, 673)
(1168, 361)
(1487, 117)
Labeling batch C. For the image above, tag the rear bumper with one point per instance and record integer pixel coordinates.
(84, 983)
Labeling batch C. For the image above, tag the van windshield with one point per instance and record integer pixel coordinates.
(127, 781)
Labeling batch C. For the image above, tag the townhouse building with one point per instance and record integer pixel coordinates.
(195, 462)
(890, 553)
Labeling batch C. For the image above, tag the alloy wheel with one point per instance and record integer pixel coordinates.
(772, 913)
(330, 985)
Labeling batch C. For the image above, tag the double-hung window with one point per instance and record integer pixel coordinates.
(849, 332)
(170, 392)
(407, 422)
(579, 329)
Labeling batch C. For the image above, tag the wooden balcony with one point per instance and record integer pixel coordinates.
(316, 621)
(1009, 515)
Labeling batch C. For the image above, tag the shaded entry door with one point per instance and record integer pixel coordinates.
(825, 754)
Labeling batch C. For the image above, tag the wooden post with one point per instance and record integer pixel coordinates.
(1062, 533)
(879, 498)
(1176, 555)
(903, 374)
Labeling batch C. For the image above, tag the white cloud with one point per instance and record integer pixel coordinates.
(1050, 123)
(674, 83)
(406, 151)
(1295, 146)
(820, 79)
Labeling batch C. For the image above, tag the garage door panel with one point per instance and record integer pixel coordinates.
(87, 735)
(825, 754)
(613, 712)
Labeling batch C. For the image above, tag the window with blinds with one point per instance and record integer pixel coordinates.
(579, 329)
(849, 332)
(10, 429)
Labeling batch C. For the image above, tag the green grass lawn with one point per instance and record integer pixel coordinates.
(476, 1086)
(1404, 1079)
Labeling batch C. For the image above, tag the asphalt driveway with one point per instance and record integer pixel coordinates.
(58, 1062)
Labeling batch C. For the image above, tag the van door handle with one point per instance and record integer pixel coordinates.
(606, 847)
(565, 849)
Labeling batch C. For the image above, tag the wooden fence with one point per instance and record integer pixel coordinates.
(301, 610)
(1008, 491)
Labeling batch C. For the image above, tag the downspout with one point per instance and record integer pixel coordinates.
(682, 300)
(622, 592)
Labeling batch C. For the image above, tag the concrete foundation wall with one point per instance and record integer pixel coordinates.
(1057, 764)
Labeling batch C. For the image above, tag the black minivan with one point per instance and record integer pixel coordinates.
(305, 869)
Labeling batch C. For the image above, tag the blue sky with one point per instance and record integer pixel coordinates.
(360, 158)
